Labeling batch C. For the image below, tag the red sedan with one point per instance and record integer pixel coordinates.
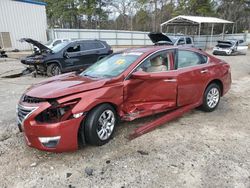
(58, 112)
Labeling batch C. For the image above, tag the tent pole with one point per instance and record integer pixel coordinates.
(223, 30)
(161, 28)
(185, 30)
(211, 38)
(233, 29)
(174, 30)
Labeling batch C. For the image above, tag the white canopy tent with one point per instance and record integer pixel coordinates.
(196, 21)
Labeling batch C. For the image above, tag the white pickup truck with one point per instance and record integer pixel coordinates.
(175, 40)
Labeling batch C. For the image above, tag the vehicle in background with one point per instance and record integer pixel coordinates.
(51, 43)
(127, 85)
(230, 47)
(175, 40)
(66, 56)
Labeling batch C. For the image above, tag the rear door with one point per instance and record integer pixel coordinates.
(241, 48)
(91, 51)
(193, 71)
(155, 94)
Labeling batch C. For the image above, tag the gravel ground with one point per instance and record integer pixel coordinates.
(197, 150)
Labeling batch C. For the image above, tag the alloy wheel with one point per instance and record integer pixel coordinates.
(213, 97)
(106, 124)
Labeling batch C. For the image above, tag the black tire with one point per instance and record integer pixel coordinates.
(207, 105)
(92, 124)
(53, 69)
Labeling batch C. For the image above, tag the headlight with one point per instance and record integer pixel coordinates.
(57, 112)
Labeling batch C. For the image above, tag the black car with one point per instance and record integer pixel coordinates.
(66, 56)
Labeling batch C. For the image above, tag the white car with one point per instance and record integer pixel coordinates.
(230, 47)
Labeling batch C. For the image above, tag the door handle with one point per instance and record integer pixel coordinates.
(204, 71)
(170, 80)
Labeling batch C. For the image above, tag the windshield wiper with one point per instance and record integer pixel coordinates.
(106, 76)
(87, 75)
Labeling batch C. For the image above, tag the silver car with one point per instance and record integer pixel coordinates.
(230, 47)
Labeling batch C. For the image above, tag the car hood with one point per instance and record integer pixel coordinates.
(36, 43)
(159, 37)
(63, 85)
(221, 42)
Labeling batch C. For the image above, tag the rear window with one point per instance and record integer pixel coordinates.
(189, 58)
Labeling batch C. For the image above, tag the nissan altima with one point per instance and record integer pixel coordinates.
(58, 112)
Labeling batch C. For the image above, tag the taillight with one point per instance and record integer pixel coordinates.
(110, 51)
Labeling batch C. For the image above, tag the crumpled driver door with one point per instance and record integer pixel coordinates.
(146, 96)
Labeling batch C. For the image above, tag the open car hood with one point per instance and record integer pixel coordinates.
(159, 37)
(62, 85)
(36, 43)
(225, 43)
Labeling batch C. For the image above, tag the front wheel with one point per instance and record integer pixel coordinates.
(211, 98)
(100, 124)
(53, 69)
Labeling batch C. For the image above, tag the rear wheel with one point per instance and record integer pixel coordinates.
(100, 124)
(211, 98)
(53, 69)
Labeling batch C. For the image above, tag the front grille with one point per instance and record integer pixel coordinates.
(29, 99)
(23, 112)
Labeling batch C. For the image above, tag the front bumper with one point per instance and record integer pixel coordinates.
(32, 62)
(64, 135)
(221, 52)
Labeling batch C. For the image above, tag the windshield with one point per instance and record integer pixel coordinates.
(112, 65)
(59, 47)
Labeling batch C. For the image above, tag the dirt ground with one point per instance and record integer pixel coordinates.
(197, 150)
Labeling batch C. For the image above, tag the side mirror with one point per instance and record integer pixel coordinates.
(141, 75)
(66, 54)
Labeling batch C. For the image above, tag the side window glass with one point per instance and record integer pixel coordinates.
(203, 58)
(156, 63)
(188, 40)
(188, 58)
(98, 45)
(181, 41)
(75, 48)
(89, 46)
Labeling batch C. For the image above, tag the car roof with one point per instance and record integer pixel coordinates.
(151, 49)
(87, 40)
